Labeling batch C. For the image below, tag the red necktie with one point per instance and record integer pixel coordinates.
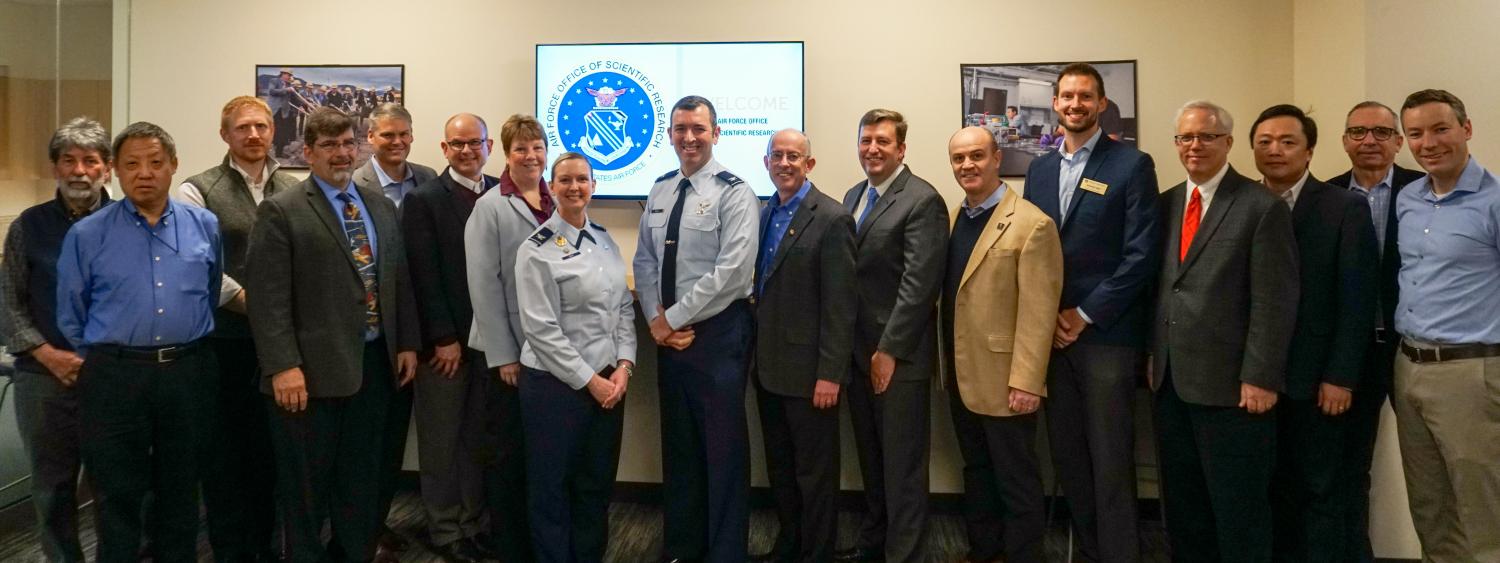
(1190, 219)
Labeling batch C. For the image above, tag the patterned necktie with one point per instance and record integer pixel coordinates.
(669, 253)
(872, 196)
(359, 247)
(1190, 218)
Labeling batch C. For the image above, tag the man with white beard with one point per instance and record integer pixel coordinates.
(46, 366)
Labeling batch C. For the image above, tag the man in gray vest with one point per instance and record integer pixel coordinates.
(239, 490)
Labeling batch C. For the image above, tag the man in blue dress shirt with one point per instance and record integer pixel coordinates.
(1447, 383)
(137, 284)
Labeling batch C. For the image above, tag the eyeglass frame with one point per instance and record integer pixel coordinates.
(472, 144)
(1363, 132)
(1205, 138)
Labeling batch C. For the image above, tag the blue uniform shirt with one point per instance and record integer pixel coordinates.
(364, 212)
(776, 216)
(122, 281)
(1450, 260)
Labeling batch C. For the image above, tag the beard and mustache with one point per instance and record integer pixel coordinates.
(82, 189)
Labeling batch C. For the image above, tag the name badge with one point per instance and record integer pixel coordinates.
(1093, 186)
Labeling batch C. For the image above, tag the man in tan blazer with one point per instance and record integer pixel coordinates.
(999, 311)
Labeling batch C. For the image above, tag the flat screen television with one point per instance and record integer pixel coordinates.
(613, 103)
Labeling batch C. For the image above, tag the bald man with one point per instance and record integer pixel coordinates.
(804, 335)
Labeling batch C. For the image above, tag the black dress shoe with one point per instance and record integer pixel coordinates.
(858, 554)
(391, 540)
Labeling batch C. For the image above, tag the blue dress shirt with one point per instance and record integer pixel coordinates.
(1379, 197)
(775, 218)
(1450, 260)
(122, 281)
(338, 211)
(1070, 172)
(395, 190)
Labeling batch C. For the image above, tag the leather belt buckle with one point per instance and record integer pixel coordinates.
(1382, 335)
(162, 354)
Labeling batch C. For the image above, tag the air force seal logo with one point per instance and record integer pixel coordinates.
(614, 116)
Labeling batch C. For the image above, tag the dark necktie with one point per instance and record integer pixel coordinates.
(359, 247)
(669, 253)
(873, 196)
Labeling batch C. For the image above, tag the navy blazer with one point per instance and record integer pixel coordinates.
(1390, 257)
(1111, 241)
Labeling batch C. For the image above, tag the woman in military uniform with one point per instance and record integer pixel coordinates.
(577, 315)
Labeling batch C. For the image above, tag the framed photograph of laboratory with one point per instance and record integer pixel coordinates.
(293, 91)
(1014, 101)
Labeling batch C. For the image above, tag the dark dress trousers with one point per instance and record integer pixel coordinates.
(307, 310)
(899, 264)
(1375, 379)
(239, 492)
(1111, 251)
(450, 412)
(804, 330)
(1335, 318)
(1224, 317)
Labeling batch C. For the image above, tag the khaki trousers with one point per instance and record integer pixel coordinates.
(1448, 423)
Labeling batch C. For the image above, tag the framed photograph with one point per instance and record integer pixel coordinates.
(1014, 101)
(293, 91)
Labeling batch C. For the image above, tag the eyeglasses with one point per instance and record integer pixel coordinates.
(1381, 133)
(332, 145)
(1205, 138)
(459, 144)
(791, 157)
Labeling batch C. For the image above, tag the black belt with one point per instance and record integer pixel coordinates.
(1382, 336)
(149, 354)
(1448, 353)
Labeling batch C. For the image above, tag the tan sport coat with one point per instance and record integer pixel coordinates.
(1005, 311)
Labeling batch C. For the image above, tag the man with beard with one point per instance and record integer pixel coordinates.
(1102, 195)
(238, 492)
(335, 324)
(901, 225)
(46, 365)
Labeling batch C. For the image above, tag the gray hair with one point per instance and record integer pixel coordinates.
(147, 130)
(390, 110)
(79, 132)
(1221, 115)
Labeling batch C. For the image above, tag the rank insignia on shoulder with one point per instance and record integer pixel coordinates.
(667, 176)
(729, 178)
(598, 226)
(540, 236)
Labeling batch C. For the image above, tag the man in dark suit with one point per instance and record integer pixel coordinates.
(1335, 317)
(1102, 195)
(804, 331)
(390, 173)
(1372, 139)
(1226, 306)
(450, 386)
(901, 226)
(335, 325)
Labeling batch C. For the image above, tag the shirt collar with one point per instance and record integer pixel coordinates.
(508, 185)
(332, 192)
(1389, 181)
(883, 186)
(268, 167)
(570, 233)
(166, 212)
(710, 168)
(1207, 189)
(1471, 180)
(471, 185)
(1292, 193)
(1084, 151)
(793, 202)
(985, 205)
(386, 180)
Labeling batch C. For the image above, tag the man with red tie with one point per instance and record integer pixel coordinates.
(1226, 307)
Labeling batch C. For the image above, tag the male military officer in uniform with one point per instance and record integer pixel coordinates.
(1372, 138)
(901, 228)
(804, 330)
(238, 493)
(694, 265)
(1102, 195)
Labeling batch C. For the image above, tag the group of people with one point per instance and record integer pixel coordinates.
(309, 320)
(292, 99)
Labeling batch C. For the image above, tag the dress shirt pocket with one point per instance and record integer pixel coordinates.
(700, 222)
(1001, 343)
(658, 220)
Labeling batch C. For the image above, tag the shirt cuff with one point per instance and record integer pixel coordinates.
(672, 316)
(228, 288)
(1085, 316)
(580, 379)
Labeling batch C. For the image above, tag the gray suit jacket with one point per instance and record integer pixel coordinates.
(899, 258)
(495, 230)
(305, 296)
(1225, 314)
(805, 311)
(365, 177)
